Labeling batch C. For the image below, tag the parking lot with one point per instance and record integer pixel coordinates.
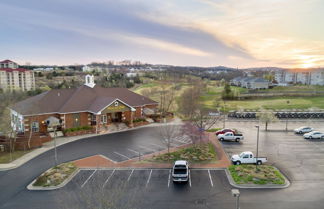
(300, 159)
(138, 149)
(205, 187)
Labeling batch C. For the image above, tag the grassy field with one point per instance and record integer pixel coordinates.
(5, 157)
(212, 97)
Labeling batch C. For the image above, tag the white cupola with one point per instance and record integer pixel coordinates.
(89, 81)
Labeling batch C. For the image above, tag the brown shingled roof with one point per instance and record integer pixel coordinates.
(82, 99)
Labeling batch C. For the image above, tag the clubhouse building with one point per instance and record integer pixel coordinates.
(88, 105)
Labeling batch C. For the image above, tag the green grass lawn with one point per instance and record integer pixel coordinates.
(277, 103)
(246, 174)
(213, 96)
(198, 153)
(5, 156)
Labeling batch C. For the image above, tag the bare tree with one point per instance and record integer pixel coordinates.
(267, 116)
(203, 119)
(189, 102)
(168, 133)
(167, 98)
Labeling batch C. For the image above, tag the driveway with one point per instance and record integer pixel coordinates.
(118, 147)
(152, 188)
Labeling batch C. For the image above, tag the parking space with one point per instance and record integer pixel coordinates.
(159, 179)
(300, 159)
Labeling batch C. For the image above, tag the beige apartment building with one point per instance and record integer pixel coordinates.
(14, 78)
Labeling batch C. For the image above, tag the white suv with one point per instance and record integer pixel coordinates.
(180, 171)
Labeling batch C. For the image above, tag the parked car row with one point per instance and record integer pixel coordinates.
(229, 135)
(280, 115)
(309, 133)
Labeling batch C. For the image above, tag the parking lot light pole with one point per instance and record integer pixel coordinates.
(55, 151)
(257, 151)
(236, 193)
(287, 117)
(224, 114)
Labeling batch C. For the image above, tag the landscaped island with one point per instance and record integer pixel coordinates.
(55, 176)
(202, 152)
(247, 174)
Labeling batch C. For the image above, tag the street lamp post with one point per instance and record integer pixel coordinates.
(224, 114)
(257, 151)
(236, 193)
(55, 151)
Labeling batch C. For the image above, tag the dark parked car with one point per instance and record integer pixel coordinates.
(223, 131)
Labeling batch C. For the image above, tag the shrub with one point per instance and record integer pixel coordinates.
(80, 128)
(137, 120)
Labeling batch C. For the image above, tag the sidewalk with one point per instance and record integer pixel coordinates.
(64, 140)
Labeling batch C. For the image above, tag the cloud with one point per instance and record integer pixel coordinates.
(208, 32)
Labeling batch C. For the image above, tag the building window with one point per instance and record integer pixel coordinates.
(35, 126)
(93, 120)
(103, 119)
(116, 104)
(76, 120)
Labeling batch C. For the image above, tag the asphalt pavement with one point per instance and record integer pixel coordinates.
(299, 159)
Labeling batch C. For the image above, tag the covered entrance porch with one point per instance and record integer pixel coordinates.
(115, 116)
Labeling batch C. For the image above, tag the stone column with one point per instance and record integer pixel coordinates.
(98, 125)
(131, 119)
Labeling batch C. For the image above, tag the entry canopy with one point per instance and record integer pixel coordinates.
(52, 121)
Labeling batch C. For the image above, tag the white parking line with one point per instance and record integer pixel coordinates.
(137, 153)
(147, 148)
(169, 178)
(130, 175)
(156, 145)
(84, 183)
(112, 173)
(148, 180)
(122, 155)
(211, 181)
(189, 179)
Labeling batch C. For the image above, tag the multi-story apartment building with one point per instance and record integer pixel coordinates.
(14, 78)
(298, 76)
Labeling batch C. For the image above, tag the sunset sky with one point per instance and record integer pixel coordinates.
(234, 33)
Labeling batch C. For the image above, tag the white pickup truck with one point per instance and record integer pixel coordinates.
(247, 158)
(230, 136)
(180, 171)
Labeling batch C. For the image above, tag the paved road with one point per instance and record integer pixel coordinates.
(298, 158)
(114, 146)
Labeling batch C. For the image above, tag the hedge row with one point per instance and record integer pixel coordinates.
(81, 128)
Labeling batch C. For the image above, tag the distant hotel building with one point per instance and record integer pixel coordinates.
(14, 78)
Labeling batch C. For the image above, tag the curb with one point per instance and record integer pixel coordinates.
(9, 166)
(256, 186)
(38, 188)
